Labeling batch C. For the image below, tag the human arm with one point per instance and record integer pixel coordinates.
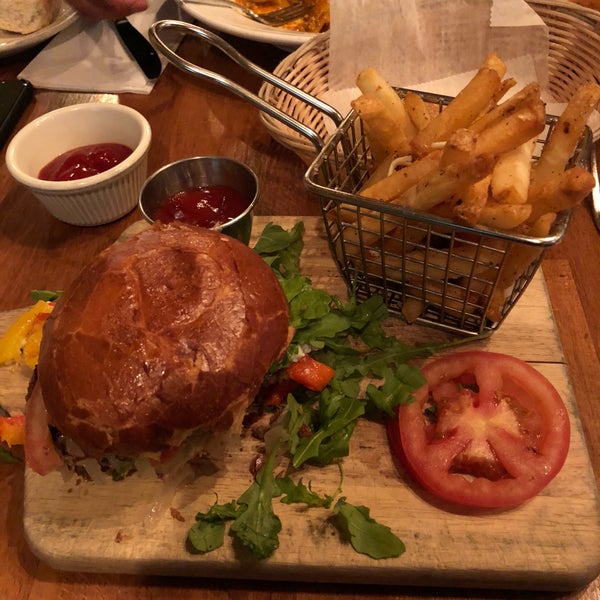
(97, 10)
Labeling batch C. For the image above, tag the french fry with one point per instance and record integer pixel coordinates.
(383, 169)
(462, 260)
(560, 192)
(387, 189)
(518, 258)
(370, 81)
(505, 86)
(378, 151)
(366, 234)
(512, 130)
(373, 230)
(446, 185)
(392, 235)
(472, 201)
(417, 110)
(525, 97)
(402, 239)
(503, 216)
(494, 62)
(412, 309)
(453, 297)
(460, 147)
(461, 112)
(381, 125)
(566, 132)
(511, 175)
(397, 183)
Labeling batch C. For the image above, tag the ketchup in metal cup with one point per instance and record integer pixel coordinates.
(206, 206)
(84, 161)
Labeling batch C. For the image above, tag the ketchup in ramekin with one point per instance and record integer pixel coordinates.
(206, 206)
(84, 161)
(211, 192)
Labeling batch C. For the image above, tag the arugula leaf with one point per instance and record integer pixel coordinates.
(281, 249)
(120, 467)
(255, 524)
(300, 493)
(332, 423)
(6, 456)
(397, 388)
(258, 527)
(206, 536)
(300, 421)
(208, 532)
(366, 535)
(45, 295)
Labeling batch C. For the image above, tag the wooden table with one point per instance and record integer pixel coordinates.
(189, 117)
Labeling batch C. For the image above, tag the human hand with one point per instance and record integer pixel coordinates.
(98, 10)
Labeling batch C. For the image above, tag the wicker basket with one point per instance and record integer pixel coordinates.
(573, 58)
(574, 53)
(308, 69)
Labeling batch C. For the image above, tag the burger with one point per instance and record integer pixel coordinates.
(157, 348)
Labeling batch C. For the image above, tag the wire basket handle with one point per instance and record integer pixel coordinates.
(159, 27)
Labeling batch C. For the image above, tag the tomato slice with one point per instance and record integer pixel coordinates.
(486, 430)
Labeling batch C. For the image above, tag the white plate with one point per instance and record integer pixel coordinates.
(231, 21)
(11, 43)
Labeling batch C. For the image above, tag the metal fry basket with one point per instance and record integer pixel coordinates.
(428, 269)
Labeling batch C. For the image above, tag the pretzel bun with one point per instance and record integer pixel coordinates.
(166, 333)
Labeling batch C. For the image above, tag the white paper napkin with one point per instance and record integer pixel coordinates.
(436, 46)
(90, 57)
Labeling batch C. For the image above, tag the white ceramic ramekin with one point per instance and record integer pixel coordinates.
(94, 200)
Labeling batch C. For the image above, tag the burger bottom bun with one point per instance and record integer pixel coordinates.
(170, 331)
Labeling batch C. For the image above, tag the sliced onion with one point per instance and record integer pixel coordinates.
(169, 487)
(92, 468)
(40, 453)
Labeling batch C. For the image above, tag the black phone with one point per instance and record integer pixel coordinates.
(15, 95)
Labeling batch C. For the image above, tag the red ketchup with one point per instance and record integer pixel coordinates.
(84, 161)
(206, 206)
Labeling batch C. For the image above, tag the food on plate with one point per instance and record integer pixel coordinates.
(335, 346)
(21, 341)
(472, 163)
(315, 21)
(84, 161)
(12, 430)
(566, 133)
(486, 430)
(12, 436)
(311, 373)
(206, 206)
(340, 366)
(152, 352)
(27, 16)
(595, 4)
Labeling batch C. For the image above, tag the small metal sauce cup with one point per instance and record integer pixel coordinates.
(201, 171)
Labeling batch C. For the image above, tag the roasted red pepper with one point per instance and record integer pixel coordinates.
(278, 394)
(12, 430)
(310, 373)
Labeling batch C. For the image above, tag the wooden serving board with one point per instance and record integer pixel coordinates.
(551, 542)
